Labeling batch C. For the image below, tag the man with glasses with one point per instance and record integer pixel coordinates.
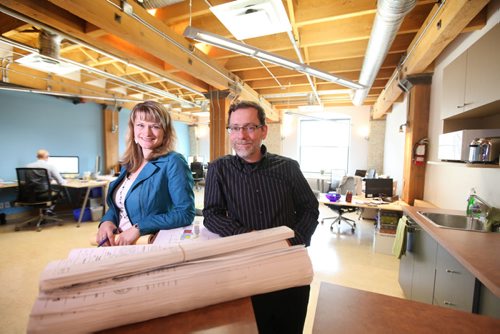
(255, 190)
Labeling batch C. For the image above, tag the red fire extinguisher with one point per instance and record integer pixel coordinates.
(420, 151)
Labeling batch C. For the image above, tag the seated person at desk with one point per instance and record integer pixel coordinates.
(256, 190)
(42, 162)
(154, 190)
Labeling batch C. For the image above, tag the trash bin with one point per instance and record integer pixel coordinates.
(96, 213)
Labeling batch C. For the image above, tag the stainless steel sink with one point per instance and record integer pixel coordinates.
(453, 221)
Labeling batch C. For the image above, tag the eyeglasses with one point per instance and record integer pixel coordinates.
(247, 128)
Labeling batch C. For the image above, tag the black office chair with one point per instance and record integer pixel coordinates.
(34, 190)
(348, 183)
(198, 174)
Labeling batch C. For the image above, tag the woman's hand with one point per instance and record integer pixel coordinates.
(106, 230)
(128, 237)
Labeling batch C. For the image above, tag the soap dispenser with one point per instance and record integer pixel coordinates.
(471, 202)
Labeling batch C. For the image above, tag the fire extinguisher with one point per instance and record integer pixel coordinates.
(420, 151)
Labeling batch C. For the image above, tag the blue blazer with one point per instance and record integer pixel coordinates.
(160, 198)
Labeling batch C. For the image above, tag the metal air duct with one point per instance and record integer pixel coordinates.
(390, 14)
(49, 44)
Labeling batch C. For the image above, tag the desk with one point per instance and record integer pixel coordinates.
(363, 203)
(346, 310)
(230, 317)
(74, 183)
(8, 184)
(342, 206)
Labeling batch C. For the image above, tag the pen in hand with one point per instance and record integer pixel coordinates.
(103, 241)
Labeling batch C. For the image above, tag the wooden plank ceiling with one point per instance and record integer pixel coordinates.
(127, 58)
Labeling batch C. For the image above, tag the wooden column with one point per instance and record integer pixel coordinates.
(219, 139)
(417, 129)
(110, 128)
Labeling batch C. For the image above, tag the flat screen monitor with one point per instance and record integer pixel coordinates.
(65, 164)
(378, 187)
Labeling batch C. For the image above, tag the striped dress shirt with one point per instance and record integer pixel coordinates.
(241, 197)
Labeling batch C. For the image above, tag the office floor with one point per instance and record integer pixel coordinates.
(339, 257)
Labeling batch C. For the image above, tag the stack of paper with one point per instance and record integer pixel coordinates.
(102, 288)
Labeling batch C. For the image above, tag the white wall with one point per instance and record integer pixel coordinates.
(447, 185)
(360, 118)
(395, 144)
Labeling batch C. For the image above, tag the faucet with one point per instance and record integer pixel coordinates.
(477, 208)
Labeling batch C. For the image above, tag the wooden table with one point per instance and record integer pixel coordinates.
(346, 310)
(363, 203)
(8, 184)
(231, 317)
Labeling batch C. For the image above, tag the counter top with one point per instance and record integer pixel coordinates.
(345, 310)
(476, 251)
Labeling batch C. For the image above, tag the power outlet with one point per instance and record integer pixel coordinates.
(6, 205)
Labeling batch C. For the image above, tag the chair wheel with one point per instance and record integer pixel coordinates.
(38, 229)
(352, 230)
(17, 228)
(60, 224)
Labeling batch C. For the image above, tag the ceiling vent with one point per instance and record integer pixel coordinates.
(47, 60)
(253, 18)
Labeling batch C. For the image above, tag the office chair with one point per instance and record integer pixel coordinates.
(34, 190)
(198, 173)
(370, 173)
(348, 183)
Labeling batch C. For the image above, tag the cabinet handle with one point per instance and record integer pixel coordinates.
(462, 106)
(448, 303)
(451, 271)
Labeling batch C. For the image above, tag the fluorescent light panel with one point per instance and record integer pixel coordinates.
(247, 50)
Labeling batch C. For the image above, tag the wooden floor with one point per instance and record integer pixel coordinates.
(338, 257)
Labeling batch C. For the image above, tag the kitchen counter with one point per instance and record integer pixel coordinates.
(345, 310)
(478, 252)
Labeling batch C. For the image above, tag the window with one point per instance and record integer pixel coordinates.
(324, 145)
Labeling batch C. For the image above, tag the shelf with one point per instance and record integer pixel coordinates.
(462, 164)
(482, 165)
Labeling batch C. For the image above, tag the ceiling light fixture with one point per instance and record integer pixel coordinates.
(247, 50)
(253, 18)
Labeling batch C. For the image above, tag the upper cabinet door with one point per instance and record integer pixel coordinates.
(454, 87)
(483, 70)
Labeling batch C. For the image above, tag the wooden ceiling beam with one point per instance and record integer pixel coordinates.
(53, 16)
(120, 24)
(447, 25)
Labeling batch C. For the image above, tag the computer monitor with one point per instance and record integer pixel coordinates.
(65, 164)
(360, 172)
(378, 187)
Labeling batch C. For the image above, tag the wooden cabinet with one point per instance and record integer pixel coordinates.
(454, 286)
(472, 80)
